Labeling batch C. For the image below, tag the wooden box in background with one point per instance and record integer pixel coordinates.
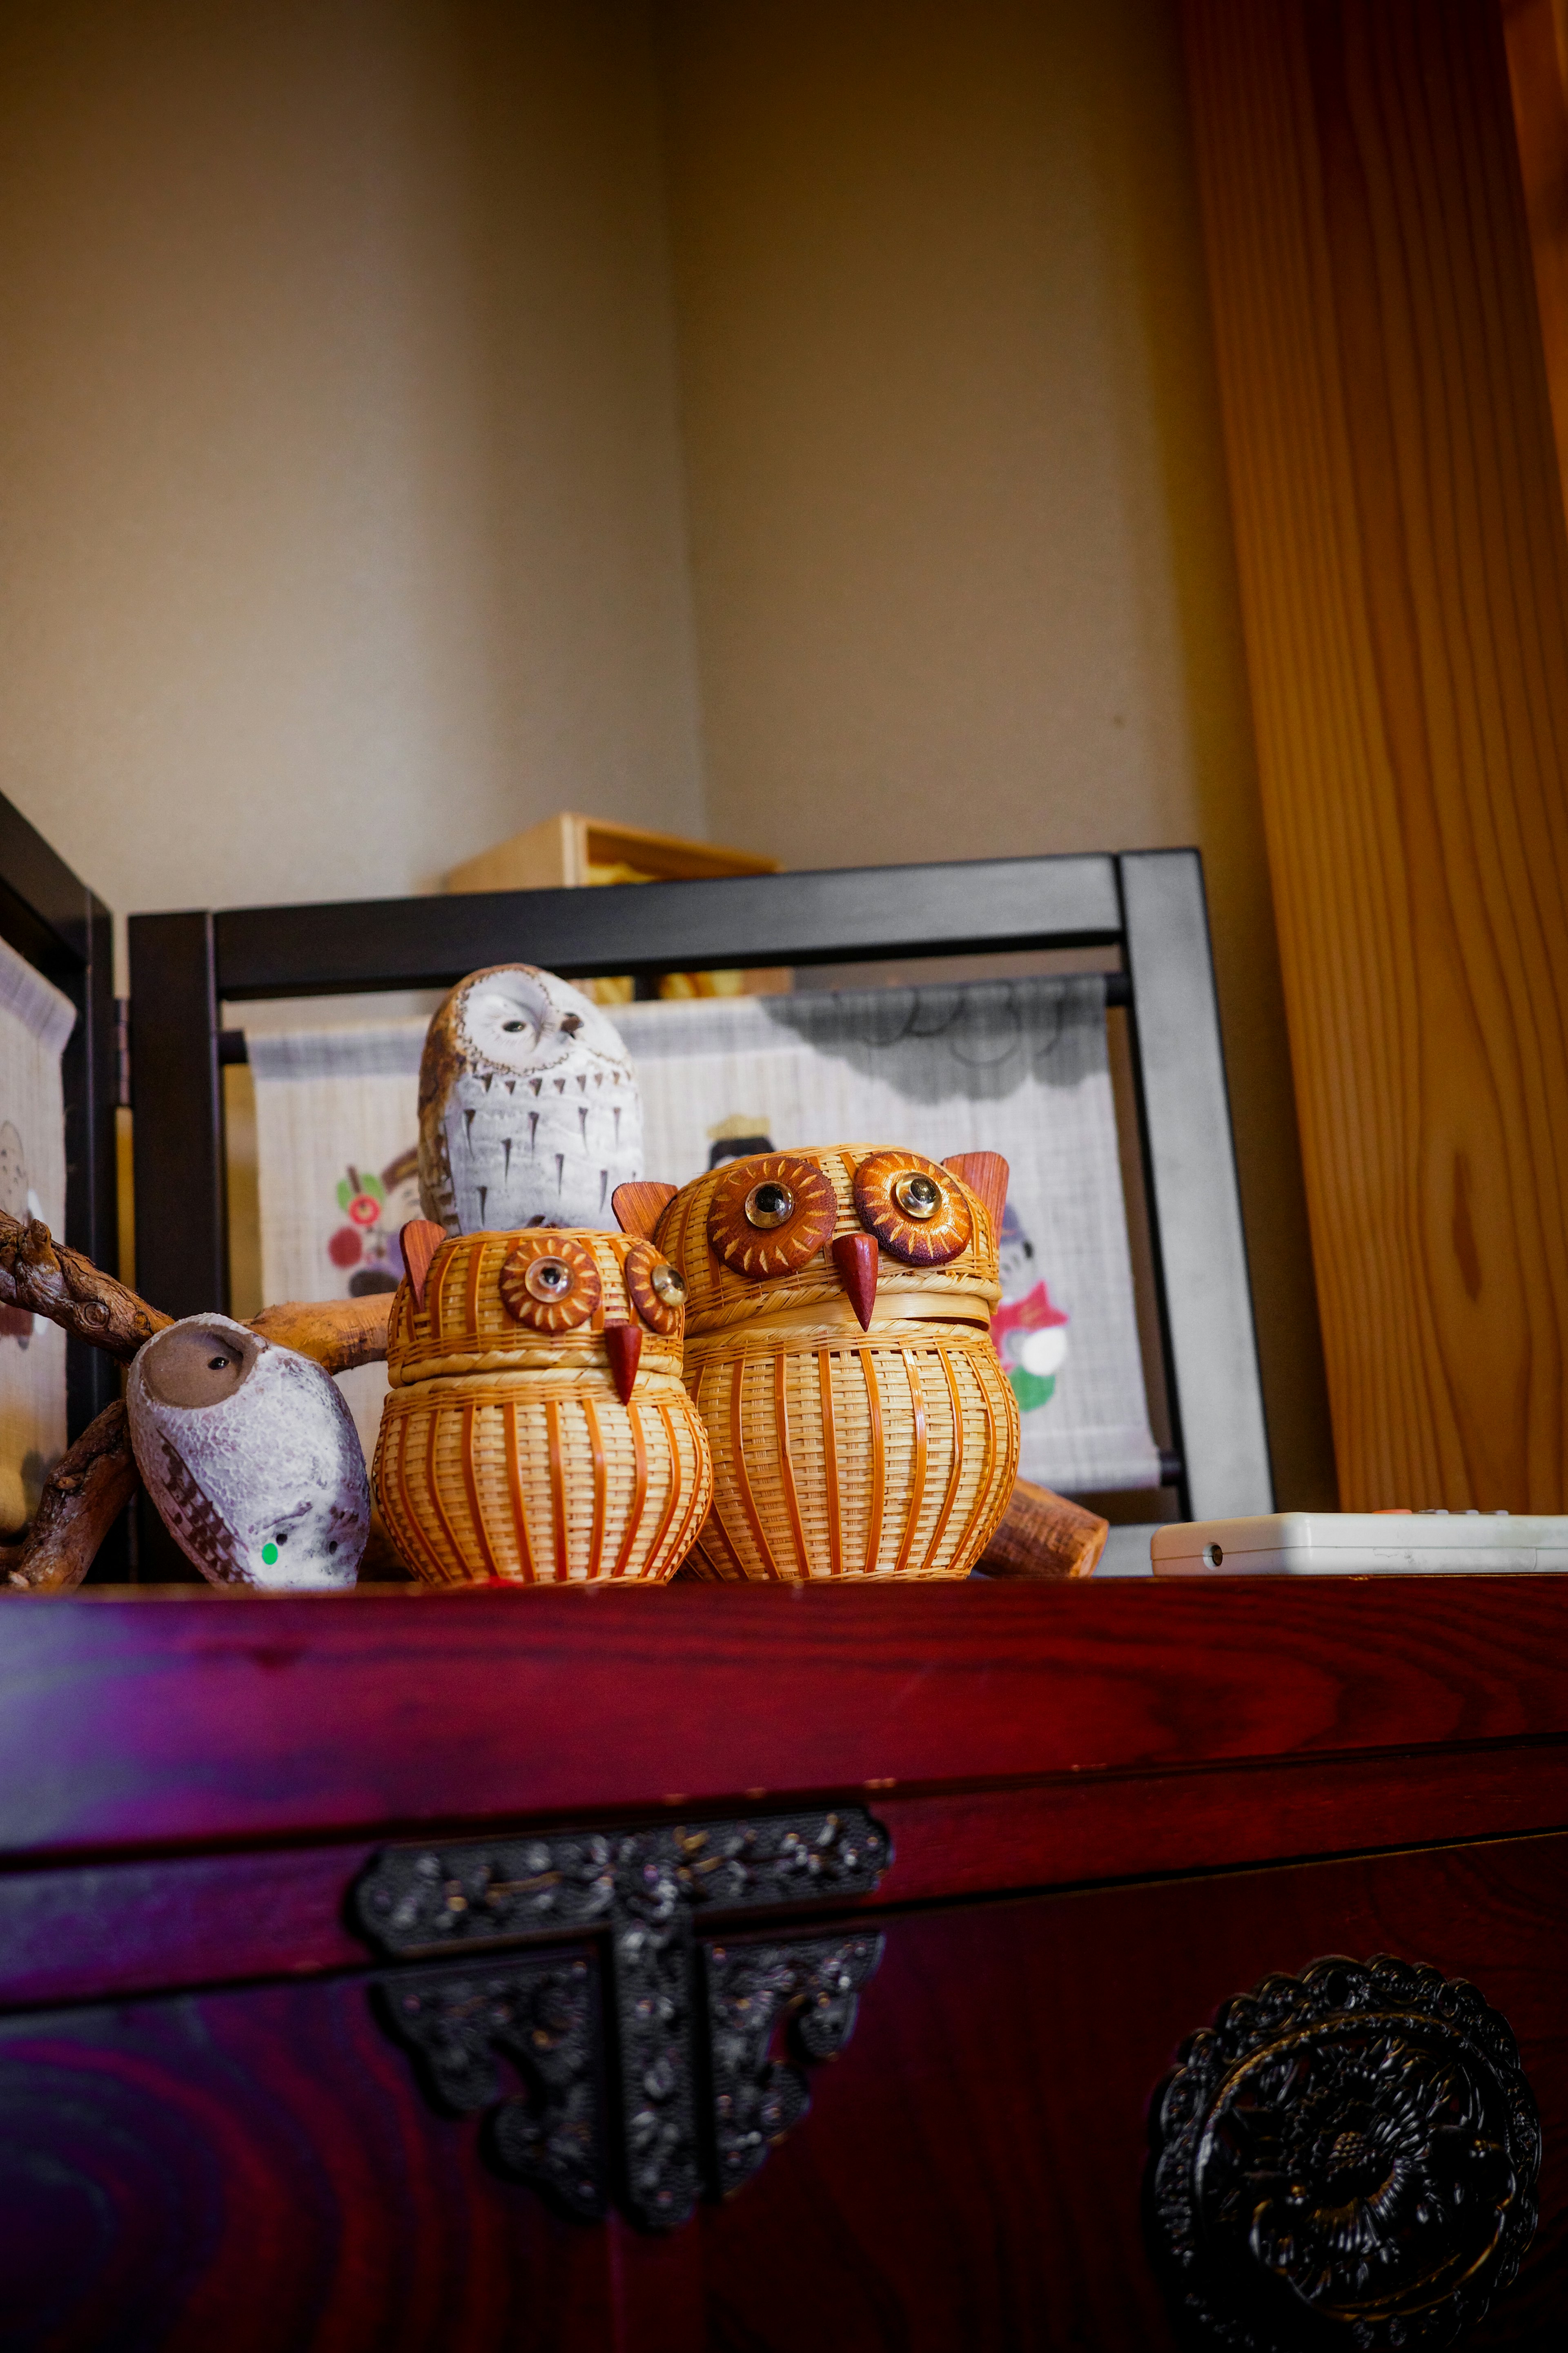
(567, 852)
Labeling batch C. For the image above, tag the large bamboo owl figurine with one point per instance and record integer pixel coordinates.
(838, 1348)
(536, 1430)
(529, 1111)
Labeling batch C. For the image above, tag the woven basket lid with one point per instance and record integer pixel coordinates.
(479, 1313)
(707, 1217)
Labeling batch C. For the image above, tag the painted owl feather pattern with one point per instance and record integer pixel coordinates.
(529, 1109)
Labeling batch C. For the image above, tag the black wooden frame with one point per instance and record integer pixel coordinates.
(1148, 905)
(65, 930)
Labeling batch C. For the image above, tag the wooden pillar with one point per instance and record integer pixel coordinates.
(1405, 582)
(1536, 33)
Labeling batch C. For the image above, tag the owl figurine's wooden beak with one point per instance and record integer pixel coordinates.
(622, 1345)
(855, 1257)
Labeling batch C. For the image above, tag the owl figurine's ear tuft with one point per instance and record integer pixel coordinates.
(639, 1205)
(419, 1241)
(985, 1173)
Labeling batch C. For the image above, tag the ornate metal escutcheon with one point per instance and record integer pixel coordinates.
(539, 2011)
(696, 2095)
(813, 1987)
(1345, 2158)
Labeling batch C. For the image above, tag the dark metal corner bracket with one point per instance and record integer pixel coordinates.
(695, 2094)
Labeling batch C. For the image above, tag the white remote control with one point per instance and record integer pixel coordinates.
(1361, 1544)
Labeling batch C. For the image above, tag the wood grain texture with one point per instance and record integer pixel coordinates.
(970, 2173)
(1405, 579)
(1536, 32)
(258, 2169)
(76, 1933)
(131, 1726)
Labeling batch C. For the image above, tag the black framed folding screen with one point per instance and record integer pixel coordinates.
(1147, 905)
(63, 931)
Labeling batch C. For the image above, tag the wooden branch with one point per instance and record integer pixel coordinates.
(1041, 1534)
(339, 1333)
(87, 1489)
(92, 1482)
(41, 1274)
(44, 1276)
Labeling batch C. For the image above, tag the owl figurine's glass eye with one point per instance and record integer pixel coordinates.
(916, 1209)
(768, 1216)
(917, 1196)
(550, 1282)
(655, 1290)
(548, 1279)
(768, 1206)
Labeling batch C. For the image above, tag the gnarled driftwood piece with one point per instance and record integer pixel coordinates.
(38, 1273)
(1042, 1535)
(338, 1333)
(85, 1493)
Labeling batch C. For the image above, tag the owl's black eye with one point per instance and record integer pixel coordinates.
(666, 1285)
(512, 1025)
(769, 1204)
(548, 1278)
(918, 1196)
(219, 1364)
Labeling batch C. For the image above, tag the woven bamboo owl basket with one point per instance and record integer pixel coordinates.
(536, 1430)
(869, 1439)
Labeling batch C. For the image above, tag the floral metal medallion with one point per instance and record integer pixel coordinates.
(1348, 2158)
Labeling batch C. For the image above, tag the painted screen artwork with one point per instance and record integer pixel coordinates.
(337, 1148)
(1019, 1066)
(35, 1020)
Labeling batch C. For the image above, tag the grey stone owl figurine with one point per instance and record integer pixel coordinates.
(250, 1453)
(529, 1111)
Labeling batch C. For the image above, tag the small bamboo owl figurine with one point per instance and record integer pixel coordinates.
(529, 1109)
(838, 1348)
(536, 1430)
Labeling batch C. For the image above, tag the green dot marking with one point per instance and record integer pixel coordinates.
(269, 1554)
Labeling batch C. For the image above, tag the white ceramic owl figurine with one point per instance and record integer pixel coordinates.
(529, 1111)
(251, 1456)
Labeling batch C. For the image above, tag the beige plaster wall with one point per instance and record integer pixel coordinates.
(961, 553)
(366, 367)
(340, 524)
